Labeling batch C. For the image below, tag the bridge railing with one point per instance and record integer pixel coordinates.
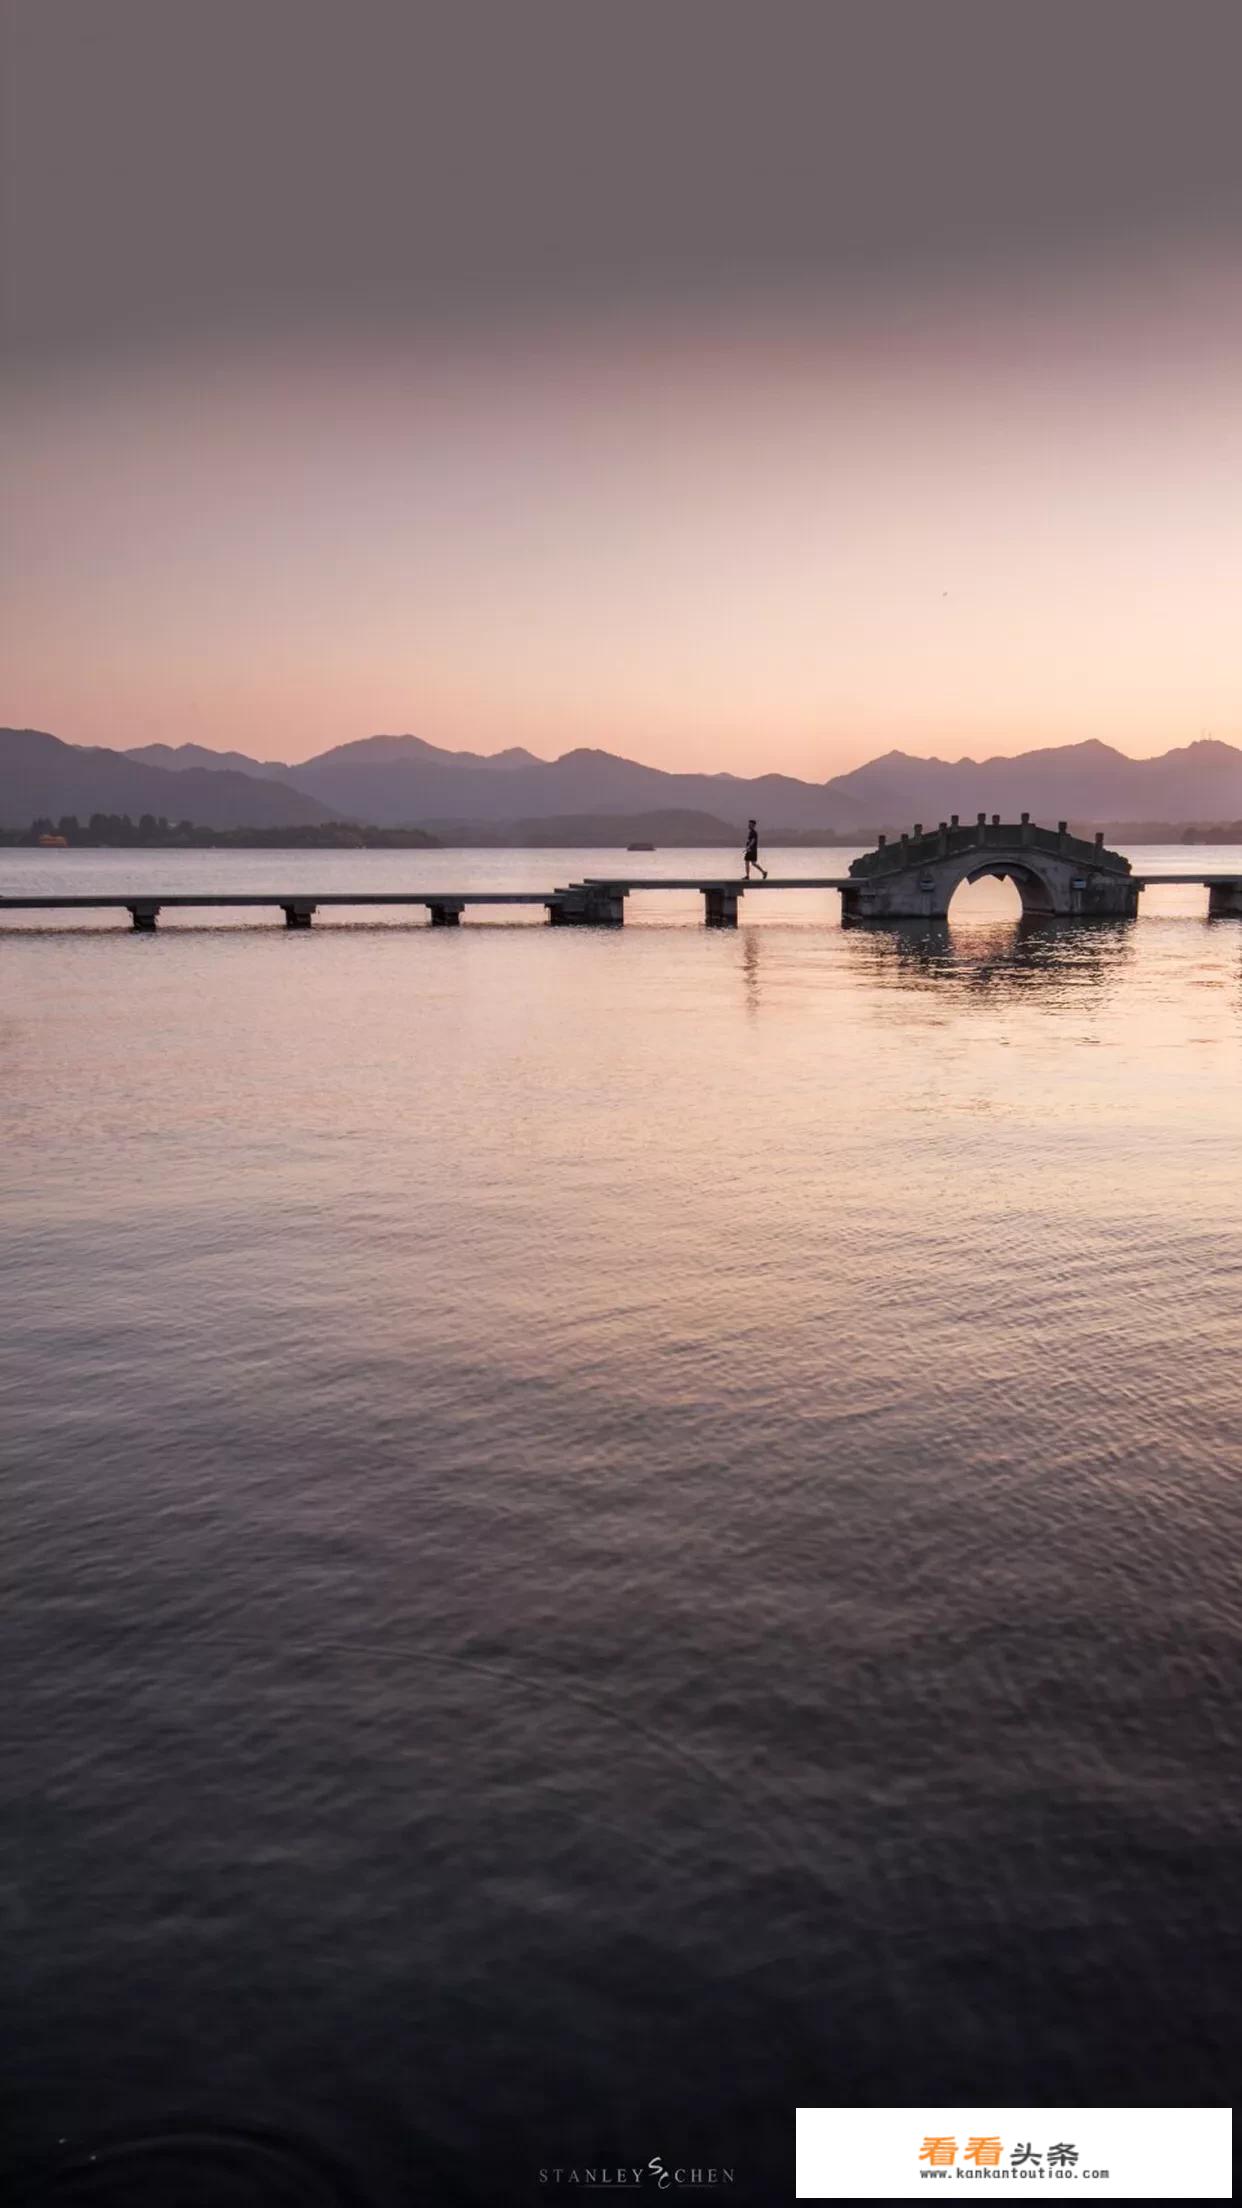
(954, 838)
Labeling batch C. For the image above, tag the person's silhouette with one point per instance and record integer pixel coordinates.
(752, 851)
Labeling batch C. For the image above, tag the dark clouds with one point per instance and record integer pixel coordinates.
(211, 168)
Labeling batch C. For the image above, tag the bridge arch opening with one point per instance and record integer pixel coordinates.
(1001, 892)
(987, 899)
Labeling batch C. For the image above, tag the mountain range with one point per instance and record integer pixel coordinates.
(41, 777)
(402, 781)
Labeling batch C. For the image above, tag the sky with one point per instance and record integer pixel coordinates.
(745, 387)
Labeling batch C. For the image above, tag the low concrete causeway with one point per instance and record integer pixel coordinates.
(912, 877)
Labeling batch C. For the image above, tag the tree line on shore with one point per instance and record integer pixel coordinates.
(108, 831)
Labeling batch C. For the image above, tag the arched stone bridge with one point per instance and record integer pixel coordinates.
(914, 877)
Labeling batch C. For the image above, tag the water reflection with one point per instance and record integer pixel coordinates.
(750, 971)
(1005, 958)
(464, 1391)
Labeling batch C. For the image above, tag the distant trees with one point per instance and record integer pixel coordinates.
(152, 831)
(113, 828)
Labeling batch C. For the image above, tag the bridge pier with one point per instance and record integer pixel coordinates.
(720, 905)
(298, 915)
(145, 916)
(1225, 901)
(588, 905)
(913, 901)
(445, 913)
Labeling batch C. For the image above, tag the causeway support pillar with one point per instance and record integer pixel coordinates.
(298, 915)
(145, 916)
(445, 914)
(605, 908)
(720, 905)
(1225, 900)
(588, 905)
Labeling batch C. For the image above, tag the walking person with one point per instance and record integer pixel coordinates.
(752, 851)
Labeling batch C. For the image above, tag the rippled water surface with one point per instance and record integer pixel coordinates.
(611, 1531)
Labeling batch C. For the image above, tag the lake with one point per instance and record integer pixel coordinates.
(608, 1531)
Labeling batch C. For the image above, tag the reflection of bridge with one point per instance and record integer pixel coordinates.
(911, 878)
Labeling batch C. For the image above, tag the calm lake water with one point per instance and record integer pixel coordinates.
(609, 1532)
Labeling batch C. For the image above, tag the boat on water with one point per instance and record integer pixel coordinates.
(640, 847)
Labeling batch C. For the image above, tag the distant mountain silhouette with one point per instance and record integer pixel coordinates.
(405, 782)
(1089, 781)
(402, 780)
(397, 778)
(40, 776)
(368, 752)
(176, 758)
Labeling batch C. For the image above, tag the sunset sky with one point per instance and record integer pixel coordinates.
(742, 387)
